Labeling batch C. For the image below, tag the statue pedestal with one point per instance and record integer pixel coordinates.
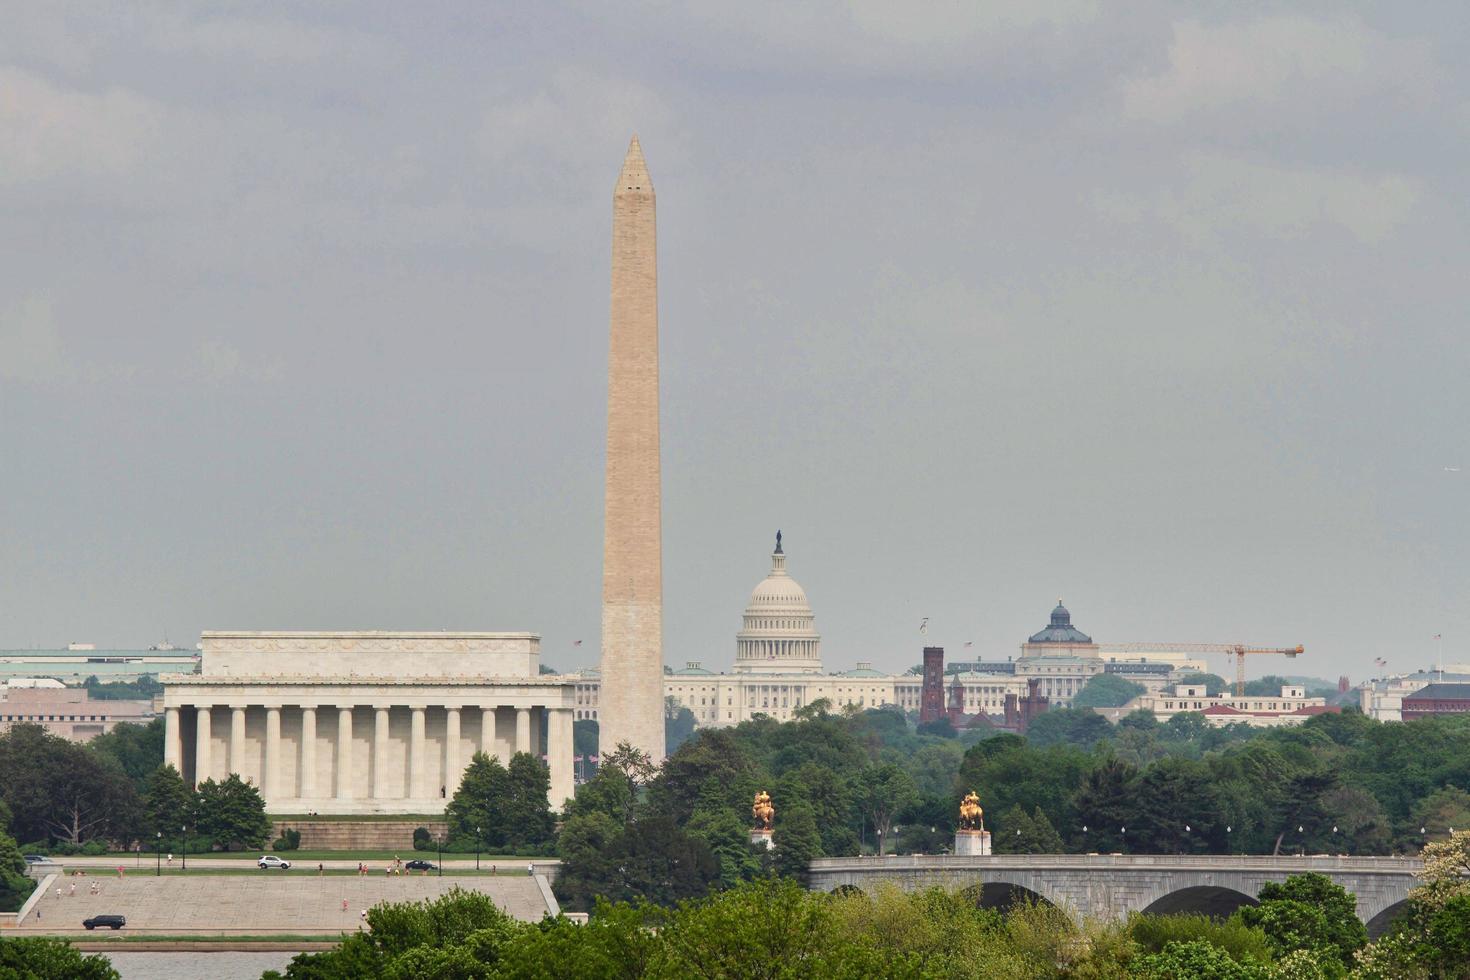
(761, 838)
(972, 843)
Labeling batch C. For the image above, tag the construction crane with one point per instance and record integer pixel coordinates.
(1237, 650)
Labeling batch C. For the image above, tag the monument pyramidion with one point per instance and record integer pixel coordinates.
(631, 700)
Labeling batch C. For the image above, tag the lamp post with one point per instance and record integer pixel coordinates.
(439, 839)
(158, 855)
(185, 829)
(477, 848)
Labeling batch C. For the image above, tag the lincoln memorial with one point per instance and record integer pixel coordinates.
(365, 722)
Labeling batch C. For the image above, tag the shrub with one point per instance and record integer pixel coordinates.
(1194, 960)
(289, 840)
(1240, 942)
(421, 837)
(94, 848)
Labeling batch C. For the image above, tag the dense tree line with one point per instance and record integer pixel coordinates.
(873, 781)
(115, 792)
(1302, 929)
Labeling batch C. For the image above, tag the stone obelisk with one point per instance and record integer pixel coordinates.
(631, 705)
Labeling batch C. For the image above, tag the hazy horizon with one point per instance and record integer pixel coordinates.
(304, 317)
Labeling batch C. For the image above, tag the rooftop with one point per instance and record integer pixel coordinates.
(1061, 629)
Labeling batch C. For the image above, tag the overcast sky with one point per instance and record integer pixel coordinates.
(303, 320)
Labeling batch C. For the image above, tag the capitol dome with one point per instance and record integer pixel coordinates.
(779, 633)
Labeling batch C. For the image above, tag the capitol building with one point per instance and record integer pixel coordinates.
(778, 668)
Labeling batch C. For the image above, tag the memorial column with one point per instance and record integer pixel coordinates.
(173, 740)
(417, 756)
(523, 730)
(308, 752)
(270, 769)
(202, 765)
(451, 750)
(559, 756)
(380, 753)
(344, 753)
(237, 741)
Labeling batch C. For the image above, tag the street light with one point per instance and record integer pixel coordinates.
(158, 855)
(477, 848)
(185, 829)
(439, 839)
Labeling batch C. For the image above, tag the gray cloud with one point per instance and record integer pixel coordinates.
(303, 319)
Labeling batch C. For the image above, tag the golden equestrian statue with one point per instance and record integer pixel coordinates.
(971, 816)
(764, 813)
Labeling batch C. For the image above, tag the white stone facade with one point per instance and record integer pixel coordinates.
(365, 722)
(1290, 707)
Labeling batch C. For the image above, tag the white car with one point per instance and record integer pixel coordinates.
(271, 861)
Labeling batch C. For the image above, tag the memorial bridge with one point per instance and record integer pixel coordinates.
(1100, 886)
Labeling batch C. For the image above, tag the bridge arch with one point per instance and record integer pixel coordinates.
(1380, 923)
(1004, 895)
(1215, 901)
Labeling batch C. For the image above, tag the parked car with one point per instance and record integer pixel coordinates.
(271, 861)
(36, 859)
(419, 865)
(105, 921)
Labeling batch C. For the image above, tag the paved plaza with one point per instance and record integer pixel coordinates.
(268, 904)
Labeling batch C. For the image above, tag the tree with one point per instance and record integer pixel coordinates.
(137, 749)
(45, 958)
(232, 813)
(728, 839)
(15, 885)
(796, 842)
(168, 803)
(1020, 833)
(1106, 803)
(1069, 726)
(1177, 809)
(525, 810)
(1312, 912)
(611, 792)
(883, 791)
(585, 848)
(1301, 804)
(659, 863)
(476, 812)
(1441, 811)
(1213, 683)
(59, 790)
(1194, 960)
(679, 724)
(1107, 691)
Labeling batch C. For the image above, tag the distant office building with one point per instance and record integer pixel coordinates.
(1382, 698)
(1290, 707)
(66, 711)
(1433, 700)
(73, 666)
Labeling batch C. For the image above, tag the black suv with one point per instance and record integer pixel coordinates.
(417, 865)
(107, 921)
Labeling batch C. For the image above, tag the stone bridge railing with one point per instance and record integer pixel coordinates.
(1099, 886)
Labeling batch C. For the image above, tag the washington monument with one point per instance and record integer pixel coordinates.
(631, 705)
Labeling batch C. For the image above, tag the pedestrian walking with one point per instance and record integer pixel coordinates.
(531, 870)
(73, 890)
(58, 893)
(320, 868)
(344, 905)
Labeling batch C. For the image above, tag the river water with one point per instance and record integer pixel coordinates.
(197, 966)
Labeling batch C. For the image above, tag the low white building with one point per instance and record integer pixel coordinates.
(365, 722)
(1290, 707)
(1382, 698)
